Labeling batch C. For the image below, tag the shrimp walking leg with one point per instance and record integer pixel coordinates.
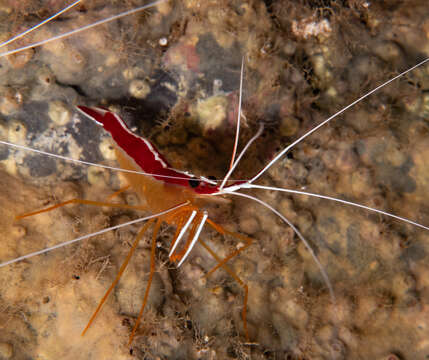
(248, 241)
(180, 223)
(118, 192)
(79, 201)
(149, 281)
(236, 278)
(121, 271)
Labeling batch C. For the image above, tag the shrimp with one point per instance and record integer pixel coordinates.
(375, 264)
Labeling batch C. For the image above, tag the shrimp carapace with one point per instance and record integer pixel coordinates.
(139, 154)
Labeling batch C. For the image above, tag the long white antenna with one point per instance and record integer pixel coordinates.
(82, 162)
(228, 174)
(285, 150)
(252, 186)
(237, 130)
(16, 37)
(72, 32)
(89, 236)
(301, 237)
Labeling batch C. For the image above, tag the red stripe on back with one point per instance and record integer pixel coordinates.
(141, 150)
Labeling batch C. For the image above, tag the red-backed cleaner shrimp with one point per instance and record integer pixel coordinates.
(376, 266)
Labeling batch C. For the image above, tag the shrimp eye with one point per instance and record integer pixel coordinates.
(193, 183)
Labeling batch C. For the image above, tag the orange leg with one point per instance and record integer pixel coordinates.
(221, 230)
(236, 278)
(80, 201)
(120, 191)
(221, 263)
(180, 223)
(121, 271)
(181, 213)
(149, 282)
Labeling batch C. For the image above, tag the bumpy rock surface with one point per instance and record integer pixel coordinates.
(173, 73)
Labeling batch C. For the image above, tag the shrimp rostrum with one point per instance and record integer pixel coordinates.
(313, 240)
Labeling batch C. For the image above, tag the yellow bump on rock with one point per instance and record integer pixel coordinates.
(59, 113)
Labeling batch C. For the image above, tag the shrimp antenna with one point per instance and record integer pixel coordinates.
(237, 131)
(286, 149)
(89, 236)
(16, 37)
(301, 237)
(234, 163)
(381, 212)
(82, 162)
(228, 174)
(72, 32)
